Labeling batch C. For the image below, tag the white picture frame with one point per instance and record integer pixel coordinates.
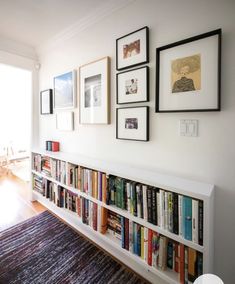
(94, 92)
(65, 90)
(65, 121)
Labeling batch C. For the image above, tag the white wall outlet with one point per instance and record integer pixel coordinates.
(189, 127)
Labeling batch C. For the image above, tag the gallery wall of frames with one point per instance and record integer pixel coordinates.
(188, 76)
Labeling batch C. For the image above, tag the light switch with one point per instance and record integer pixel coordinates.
(189, 127)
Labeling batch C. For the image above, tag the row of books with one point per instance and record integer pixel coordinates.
(90, 213)
(173, 212)
(155, 249)
(93, 183)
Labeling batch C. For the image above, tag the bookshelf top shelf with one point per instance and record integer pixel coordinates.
(195, 189)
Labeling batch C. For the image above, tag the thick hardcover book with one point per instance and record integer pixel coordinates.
(192, 258)
(94, 216)
(154, 206)
(177, 259)
(138, 239)
(123, 231)
(138, 195)
(200, 222)
(146, 244)
(187, 218)
(104, 188)
(161, 209)
(134, 198)
(126, 234)
(166, 220)
(134, 236)
(155, 249)
(112, 190)
(181, 263)
(100, 186)
(162, 252)
(199, 264)
(149, 204)
(131, 246)
(142, 242)
(180, 209)
(104, 220)
(175, 214)
(150, 237)
(128, 193)
(108, 192)
(170, 211)
(118, 186)
(145, 205)
(170, 254)
(185, 265)
(195, 221)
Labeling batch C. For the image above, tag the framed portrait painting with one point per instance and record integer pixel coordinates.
(65, 90)
(132, 123)
(46, 101)
(132, 49)
(94, 92)
(188, 74)
(133, 86)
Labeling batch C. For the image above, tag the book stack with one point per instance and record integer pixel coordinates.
(178, 214)
(37, 162)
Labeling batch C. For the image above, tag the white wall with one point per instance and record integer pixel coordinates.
(209, 157)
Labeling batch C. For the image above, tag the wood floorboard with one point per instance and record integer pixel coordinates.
(15, 204)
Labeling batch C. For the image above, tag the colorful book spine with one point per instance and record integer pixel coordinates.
(187, 218)
(195, 221)
(146, 244)
(142, 242)
(131, 247)
(150, 237)
(200, 222)
(175, 214)
(126, 234)
(154, 206)
(123, 231)
(145, 205)
(149, 204)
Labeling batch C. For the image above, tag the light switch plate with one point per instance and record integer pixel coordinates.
(189, 127)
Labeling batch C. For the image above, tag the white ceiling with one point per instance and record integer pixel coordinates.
(34, 22)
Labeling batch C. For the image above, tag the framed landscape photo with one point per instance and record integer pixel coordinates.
(65, 90)
(188, 74)
(94, 92)
(133, 86)
(132, 49)
(132, 123)
(46, 101)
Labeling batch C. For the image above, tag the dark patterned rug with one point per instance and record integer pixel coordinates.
(45, 250)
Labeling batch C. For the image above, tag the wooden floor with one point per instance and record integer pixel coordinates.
(15, 205)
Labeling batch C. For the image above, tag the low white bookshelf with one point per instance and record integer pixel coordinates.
(193, 189)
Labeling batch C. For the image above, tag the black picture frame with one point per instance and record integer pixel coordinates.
(46, 102)
(146, 96)
(200, 38)
(146, 124)
(145, 55)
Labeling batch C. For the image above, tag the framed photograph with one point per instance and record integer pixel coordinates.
(46, 101)
(65, 91)
(94, 92)
(132, 123)
(188, 74)
(133, 86)
(65, 121)
(132, 49)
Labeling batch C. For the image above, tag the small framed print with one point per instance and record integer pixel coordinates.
(65, 121)
(133, 86)
(46, 102)
(188, 74)
(94, 92)
(65, 90)
(132, 49)
(132, 123)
